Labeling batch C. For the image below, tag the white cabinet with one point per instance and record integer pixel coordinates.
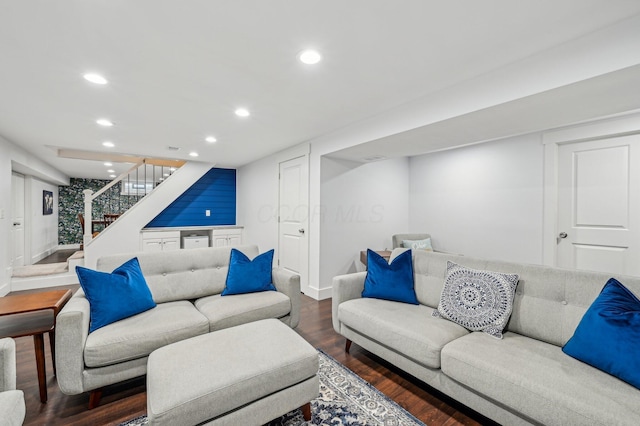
(226, 237)
(160, 241)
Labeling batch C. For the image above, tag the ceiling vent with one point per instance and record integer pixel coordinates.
(174, 148)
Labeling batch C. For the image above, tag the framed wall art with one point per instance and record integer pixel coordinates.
(47, 202)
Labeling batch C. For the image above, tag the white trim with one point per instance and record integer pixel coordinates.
(319, 293)
(604, 128)
(607, 128)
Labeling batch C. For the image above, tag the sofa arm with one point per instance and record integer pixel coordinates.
(72, 329)
(7, 364)
(289, 283)
(345, 287)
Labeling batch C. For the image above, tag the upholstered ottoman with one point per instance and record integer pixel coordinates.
(244, 375)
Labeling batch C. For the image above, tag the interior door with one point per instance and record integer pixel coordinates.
(293, 218)
(17, 219)
(599, 205)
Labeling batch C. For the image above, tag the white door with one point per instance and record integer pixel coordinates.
(293, 218)
(599, 205)
(17, 219)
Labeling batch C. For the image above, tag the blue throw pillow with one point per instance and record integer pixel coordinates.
(249, 276)
(608, 336)
(392, 281)
(115, 296)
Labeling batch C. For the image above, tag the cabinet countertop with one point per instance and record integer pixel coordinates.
(192, 228)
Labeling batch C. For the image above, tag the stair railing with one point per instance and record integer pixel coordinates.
(142, 178)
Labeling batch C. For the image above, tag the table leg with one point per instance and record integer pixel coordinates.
(38, 341)
(52, 343)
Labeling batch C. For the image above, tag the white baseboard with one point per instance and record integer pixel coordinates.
(319, 293)
(68, 246)
(4, 289)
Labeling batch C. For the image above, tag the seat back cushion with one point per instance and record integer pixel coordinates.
(181, 274)
(549, 302)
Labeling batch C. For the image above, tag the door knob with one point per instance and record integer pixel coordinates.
(16, 223)
(562, 235)
(301, 230)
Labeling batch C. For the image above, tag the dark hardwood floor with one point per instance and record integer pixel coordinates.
(128, 400)
(57, 256)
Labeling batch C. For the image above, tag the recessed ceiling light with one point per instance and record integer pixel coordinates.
(95, 78)
(210, 139)
(108, 144)
(173, 169)
(112, 176)
(108, 164)
(111, 171)
(242, 112)
(309, 57)
(104, 122)
(165, 174)
(193, 154)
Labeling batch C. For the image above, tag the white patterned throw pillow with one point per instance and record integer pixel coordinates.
(477, 300)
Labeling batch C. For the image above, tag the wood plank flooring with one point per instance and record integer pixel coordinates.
(128, 400)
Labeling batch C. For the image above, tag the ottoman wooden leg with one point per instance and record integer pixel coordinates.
(347, 346)
(306, 411)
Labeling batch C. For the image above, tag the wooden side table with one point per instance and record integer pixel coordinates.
(34, 314)
(386, 254)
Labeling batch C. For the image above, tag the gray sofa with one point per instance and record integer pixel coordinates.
(525, 378)
(12, 407)
(186, 285)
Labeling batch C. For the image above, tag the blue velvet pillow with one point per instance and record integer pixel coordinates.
(608, 336)
(392, 281)
(115, 296)
(249, 276)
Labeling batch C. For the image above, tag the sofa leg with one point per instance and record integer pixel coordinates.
(347, 346)
(306, 411)
(94, 398)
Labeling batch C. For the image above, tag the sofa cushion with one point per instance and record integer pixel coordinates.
(538, 380)
(181, 274)
(608, 337)
(116, 295)
(477, 300)
(407, 329)
(249, 275)
(228, 311)
(390, 281)
(138, 336)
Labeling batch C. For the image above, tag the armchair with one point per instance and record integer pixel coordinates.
(12, 406)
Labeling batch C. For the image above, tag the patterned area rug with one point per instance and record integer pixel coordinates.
(345, 399)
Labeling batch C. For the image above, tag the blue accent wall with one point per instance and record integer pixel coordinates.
(215, 191)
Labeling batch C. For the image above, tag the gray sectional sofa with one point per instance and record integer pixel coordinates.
(525, 378)
(186, 285)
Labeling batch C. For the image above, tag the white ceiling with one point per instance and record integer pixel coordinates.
(178, 69)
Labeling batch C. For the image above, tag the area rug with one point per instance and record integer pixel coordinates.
(345, 399)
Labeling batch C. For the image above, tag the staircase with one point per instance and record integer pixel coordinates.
(48, 274)
(123, 235)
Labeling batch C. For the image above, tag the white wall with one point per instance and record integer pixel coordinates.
(43, 229)
(362, 206)
(483, 200)
(15, 158)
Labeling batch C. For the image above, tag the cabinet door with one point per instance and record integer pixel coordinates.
(235, 240)
(219, 241)
(170, 244)
(152, 244)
